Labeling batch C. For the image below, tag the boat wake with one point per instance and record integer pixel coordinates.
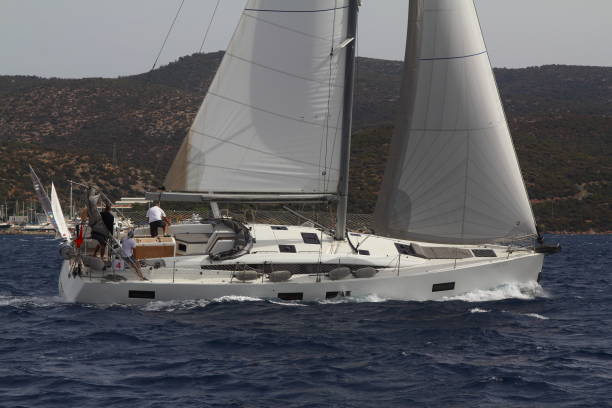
(177, 305)
(522, 291)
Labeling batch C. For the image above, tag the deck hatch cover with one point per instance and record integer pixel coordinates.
(441, 287)
(310, 238)
(484, 253)
(279, 228)
(141, 294)
(291, 296)
(287, 248)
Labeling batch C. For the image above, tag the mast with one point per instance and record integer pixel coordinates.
(347, 120)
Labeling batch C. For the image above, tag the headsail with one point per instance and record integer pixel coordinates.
(272, 119)
(452, 175)
(58, 215)
(42, 195)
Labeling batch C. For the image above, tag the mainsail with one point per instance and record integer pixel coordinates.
(452, 175)
(272, 119)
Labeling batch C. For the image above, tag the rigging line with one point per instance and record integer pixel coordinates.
(168, 34)
(209, 25)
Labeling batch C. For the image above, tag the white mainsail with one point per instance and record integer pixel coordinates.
(452, 175)
(58, 215)
(272, 118)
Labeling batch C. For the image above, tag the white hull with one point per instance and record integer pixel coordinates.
(415, 278)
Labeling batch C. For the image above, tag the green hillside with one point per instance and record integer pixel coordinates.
(123, 133)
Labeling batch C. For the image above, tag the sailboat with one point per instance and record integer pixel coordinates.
(52, 209)
(275, 127)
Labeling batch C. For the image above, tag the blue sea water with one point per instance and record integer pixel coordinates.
(510, 347)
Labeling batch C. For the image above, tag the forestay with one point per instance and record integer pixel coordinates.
(271, 121)
(453, 175)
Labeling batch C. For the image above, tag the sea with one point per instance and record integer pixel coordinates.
(514, 346)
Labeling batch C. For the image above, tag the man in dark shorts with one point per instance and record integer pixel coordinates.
(157, 218)
(109, 222)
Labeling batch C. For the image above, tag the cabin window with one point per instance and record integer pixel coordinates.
(141, 294)
(182, 247)
(441, 287)
(404, 249)
(484, 253)
(310, 238)
(291, 296)
(364, 252)
(331, 295)
(287, 248)
(279, 228)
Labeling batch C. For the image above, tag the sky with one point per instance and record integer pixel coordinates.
(109, 38)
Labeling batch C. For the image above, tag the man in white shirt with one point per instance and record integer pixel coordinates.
(157, 219)
(127, 246)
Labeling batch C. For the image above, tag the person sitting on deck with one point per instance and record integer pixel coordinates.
(109, 222)
(127, 246)
(157, 219)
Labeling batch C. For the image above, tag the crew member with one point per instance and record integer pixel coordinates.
(127, 246)
(157, 219)
(109, 222)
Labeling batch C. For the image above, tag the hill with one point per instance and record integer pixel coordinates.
(123, 133)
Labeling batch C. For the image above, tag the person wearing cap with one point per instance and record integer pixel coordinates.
(127, 246)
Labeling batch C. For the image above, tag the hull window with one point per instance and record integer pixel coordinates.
(141, 294)
(310, 238)
(287, 248)
(291, 296)
(278, 228)
(331, 295)
(441, 287)
(484, 253)
(364, 252)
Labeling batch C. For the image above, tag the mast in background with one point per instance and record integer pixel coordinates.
(347, 120)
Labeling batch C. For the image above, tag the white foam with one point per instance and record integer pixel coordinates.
(224, 299)
(174, 305)
(479, 310)
(524, 291)
(372, 298)
(287, 303)
(536, 316)
(30, 301)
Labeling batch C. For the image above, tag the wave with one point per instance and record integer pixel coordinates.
(522, 291)
(479, 310)
(373, 298)
(30, 301)
(536, 316)
(178, 305)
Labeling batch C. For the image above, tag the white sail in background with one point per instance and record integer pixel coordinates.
(43, 198)
(452, 175)
(271, 121)
(58, 215)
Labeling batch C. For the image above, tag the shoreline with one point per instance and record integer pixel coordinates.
(12, 231)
